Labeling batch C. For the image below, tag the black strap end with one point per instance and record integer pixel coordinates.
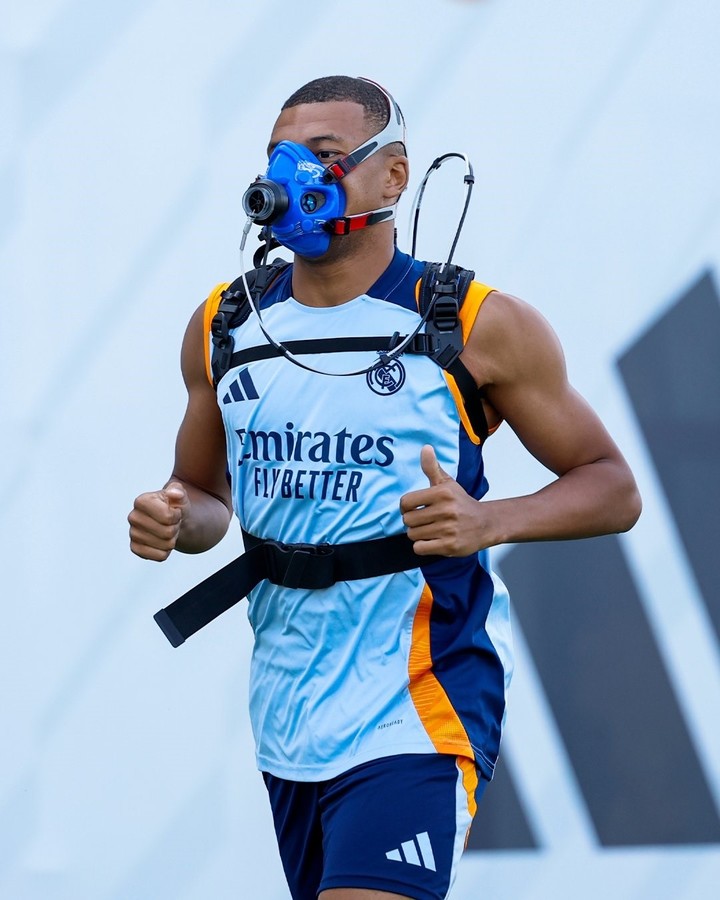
(168, 628)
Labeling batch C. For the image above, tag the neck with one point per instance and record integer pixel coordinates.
(343, 275)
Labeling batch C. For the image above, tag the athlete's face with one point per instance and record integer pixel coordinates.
(332, 130)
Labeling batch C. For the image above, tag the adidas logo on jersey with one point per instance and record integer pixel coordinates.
(417, 852)
(241, 389)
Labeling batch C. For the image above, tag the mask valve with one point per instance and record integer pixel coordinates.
(265, 201)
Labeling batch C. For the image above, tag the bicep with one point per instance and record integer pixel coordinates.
(556, 426)
(200, 456)
(529, 388)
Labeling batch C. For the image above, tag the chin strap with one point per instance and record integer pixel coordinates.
(347, 224)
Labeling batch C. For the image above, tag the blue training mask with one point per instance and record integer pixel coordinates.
(295, 200)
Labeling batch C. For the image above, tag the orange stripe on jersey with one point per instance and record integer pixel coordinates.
(476, 295)
(433, 706)
(211, 307)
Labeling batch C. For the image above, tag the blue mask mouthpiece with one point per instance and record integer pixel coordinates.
(295, 201)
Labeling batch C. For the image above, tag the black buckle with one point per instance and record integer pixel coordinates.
(219, 329)
(309, 566)
(424, 344)
(445, 313)
(224, 346)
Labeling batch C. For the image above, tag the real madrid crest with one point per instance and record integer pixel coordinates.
(386, 379)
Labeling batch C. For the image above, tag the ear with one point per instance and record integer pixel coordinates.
(397, 177)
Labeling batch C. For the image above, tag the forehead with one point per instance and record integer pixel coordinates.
(341, 121)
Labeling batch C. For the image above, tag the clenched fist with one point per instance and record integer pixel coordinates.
(155, 521)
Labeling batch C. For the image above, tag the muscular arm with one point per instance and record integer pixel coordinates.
(514, 354)
(192, 512)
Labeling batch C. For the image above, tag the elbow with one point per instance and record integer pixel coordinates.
(629, 506)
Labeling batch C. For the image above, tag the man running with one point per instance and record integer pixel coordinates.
(377, 701)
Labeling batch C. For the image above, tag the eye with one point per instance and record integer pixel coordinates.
(326, 155)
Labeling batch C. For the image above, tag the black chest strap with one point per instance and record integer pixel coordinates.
(441, 294)
(308, 566)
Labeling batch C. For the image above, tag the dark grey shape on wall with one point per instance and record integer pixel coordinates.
(609, 693)
(672, 374)
(501, 823)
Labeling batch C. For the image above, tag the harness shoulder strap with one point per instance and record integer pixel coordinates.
(441, 295)
(209, 310)
(232, 310)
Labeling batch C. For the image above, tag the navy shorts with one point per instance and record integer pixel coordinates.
(396, 824)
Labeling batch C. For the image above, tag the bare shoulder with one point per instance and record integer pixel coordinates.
(516, 357)
(509, 339)
(192, 356)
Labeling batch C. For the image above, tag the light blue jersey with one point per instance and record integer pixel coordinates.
(413, 662)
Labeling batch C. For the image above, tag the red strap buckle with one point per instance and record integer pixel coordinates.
(346, 224)
(336, 171)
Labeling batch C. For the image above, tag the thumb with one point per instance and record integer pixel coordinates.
(175, 494)
(431, 467)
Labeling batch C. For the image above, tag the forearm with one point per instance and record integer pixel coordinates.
(590, 500)
(205, 521)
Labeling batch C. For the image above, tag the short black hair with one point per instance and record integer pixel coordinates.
(343, 87)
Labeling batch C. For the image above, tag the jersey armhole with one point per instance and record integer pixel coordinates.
(211, 307)
(476, 295)
(474, 299)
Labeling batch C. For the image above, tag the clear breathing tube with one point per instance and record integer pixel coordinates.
(391, 354)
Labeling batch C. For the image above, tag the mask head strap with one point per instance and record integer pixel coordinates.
(392, 133)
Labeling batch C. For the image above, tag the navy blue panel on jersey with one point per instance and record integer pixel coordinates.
(396, 284)
(466, 660)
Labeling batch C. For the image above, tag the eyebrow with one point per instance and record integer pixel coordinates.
(318, 139)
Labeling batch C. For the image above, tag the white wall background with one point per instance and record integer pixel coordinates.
(128, 132)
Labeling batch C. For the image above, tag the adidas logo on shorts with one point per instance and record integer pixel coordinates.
(417, 852)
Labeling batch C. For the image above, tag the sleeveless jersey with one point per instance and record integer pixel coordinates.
(413, 662)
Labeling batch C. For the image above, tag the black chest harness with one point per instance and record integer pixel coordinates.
(318, 566)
